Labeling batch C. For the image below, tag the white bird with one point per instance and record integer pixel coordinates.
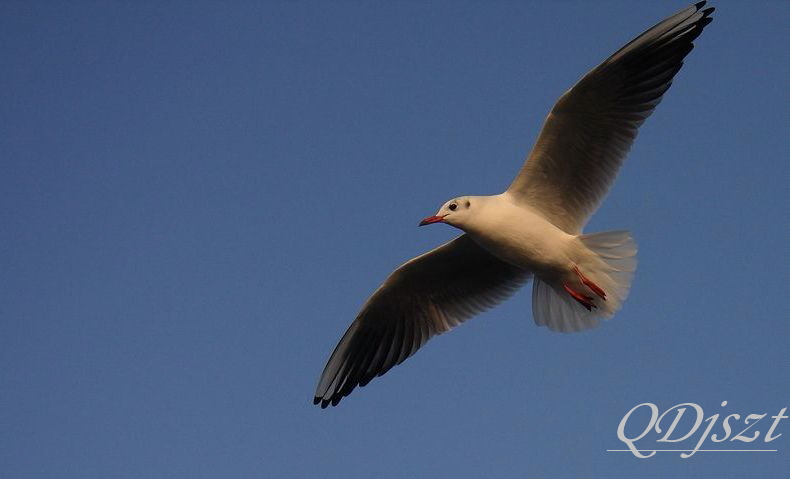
(533, 229)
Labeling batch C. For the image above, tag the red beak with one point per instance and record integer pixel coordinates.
(431, 219)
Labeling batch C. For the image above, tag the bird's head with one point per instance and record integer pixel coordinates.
(455, 212)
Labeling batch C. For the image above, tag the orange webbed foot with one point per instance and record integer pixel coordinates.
(583, 299)
(587, 282)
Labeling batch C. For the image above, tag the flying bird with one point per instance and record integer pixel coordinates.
(534, 229)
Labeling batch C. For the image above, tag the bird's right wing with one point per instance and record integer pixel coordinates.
(428, 295)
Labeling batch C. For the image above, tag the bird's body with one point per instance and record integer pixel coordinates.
(521, 236)
(533, 230)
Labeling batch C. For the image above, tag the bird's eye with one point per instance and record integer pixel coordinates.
(453, 206)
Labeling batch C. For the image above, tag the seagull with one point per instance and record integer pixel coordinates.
(534, 229)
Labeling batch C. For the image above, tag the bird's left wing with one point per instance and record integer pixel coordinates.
(428, 295)
(591, 128)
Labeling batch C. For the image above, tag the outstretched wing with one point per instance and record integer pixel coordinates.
(428, 295)
(589, 131)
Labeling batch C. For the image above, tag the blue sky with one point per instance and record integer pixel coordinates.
(197, 197)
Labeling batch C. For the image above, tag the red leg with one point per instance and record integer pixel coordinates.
(593, 287)
(583, 299)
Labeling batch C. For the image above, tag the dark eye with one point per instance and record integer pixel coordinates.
(453, 206)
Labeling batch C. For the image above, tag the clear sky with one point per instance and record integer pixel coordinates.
(197, 197)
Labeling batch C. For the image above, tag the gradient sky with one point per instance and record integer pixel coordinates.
(197, 197)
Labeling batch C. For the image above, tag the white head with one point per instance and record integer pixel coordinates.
(455, 212)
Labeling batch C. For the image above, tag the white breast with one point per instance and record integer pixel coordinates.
(521, 237)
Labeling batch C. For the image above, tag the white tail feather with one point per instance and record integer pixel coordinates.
(610, 264)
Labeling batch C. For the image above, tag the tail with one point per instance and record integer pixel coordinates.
(609, 263)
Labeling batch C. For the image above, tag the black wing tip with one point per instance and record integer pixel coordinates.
(705, 19)
(706, 12)
(326, 401)
(701, 4)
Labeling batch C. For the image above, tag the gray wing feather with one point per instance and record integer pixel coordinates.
(428, 295)
(588, 133)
